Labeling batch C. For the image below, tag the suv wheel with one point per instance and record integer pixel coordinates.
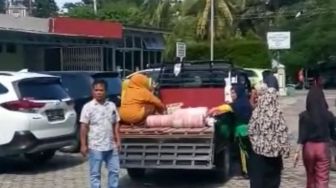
(40, 157)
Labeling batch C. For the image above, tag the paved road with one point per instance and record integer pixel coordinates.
(70, 171)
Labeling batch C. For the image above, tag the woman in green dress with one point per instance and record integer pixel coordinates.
(241, 109)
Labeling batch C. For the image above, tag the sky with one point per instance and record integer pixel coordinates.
(60, 3)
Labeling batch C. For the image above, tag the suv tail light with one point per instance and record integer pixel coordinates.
(22, 105)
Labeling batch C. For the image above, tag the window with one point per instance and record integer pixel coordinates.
(193, 78)
(128, 60)
(146, 59)
(3, 89)
(78, 86)
(137, 42)
(137, 59)
(129, 41)
(153, 43)
(152, 58)
(11, 48)
(158, 57)
(42, 88)
(120, 43)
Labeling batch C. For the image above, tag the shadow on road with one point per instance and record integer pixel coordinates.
(19, 165)
(173, 178)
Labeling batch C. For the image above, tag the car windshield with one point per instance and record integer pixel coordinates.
(42, 88)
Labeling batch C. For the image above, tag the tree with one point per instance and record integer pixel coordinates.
(117, 11)
(155, 13)
(80, 10)
(312, 34)
(225, 11)
(45, 8)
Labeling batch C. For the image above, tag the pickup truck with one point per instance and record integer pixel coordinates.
(196, 85)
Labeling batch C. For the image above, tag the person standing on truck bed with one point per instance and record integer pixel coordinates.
(269, 137)
(100, 136)
(242, 111)
(138, 101)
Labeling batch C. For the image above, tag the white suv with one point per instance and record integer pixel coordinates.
(37, 115)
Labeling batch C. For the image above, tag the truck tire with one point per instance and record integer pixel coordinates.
(40, 157)
(136, 173)
(223, 165)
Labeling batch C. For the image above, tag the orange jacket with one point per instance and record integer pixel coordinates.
(136, 97)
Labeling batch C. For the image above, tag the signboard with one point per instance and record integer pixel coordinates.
(177, 69)
(181, 50)
(278, 40)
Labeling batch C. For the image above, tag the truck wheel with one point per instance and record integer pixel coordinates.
(136, 173)
(223, 165)
(40, 157)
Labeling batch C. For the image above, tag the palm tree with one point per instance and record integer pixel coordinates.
(225, 12)
(156, 13)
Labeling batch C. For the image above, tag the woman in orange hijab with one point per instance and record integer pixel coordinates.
(138, 101)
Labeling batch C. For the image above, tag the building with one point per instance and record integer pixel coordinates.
(76, 44)
(16, 10)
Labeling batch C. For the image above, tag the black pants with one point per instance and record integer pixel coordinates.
(265, 172)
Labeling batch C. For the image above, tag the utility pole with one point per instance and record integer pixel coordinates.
(95, 7)
(212, 30)
(30, 10)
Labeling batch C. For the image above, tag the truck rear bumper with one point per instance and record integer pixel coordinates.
(167, 153)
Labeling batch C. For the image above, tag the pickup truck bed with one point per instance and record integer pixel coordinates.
(167, 148)
(137, 131)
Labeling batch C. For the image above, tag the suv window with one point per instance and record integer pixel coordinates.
(77, 85)
(3, 89)
(42, 88)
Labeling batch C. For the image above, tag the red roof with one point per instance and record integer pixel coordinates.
(87, 28)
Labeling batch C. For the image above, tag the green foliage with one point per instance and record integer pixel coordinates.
(243, 52)
(313, 34)
(81, 11)
(45, 8)
(117, 12)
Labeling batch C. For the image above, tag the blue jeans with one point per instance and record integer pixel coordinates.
(111, 159)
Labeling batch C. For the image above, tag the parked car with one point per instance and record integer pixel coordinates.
(255, 75)
(37, 115)
(78, 85)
